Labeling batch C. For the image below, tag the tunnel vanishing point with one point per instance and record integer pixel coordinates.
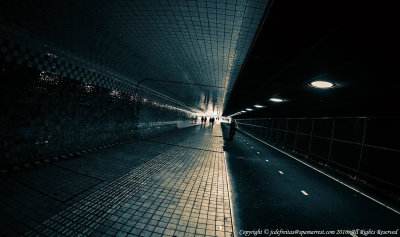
(199, 118)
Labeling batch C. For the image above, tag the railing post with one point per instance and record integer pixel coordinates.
(332, 135)
(286, 132)
(362, 144)
(271, 127)
(266, 129)
(297, 132)
(311, 135)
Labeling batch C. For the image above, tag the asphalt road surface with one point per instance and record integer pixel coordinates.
(272, 191)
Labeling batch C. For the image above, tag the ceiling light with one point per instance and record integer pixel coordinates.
(248, 109)
(322, 84)
(259, 106)
(243, 111)
(276, 100)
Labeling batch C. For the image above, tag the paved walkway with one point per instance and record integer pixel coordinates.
(176, 184)
(169, 185)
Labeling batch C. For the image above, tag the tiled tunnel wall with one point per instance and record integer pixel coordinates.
(44, 115)
(361, 146)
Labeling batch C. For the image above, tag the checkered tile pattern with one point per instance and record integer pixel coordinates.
(181, 192)
(68, 67)
(117, 43)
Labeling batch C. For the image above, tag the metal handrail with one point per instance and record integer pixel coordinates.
(267, 135)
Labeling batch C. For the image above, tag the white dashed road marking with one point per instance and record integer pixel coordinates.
(327, 175)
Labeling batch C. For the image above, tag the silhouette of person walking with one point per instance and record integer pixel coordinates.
(233, 128)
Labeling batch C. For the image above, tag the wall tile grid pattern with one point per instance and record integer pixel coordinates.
(115, 44)
(45, 116)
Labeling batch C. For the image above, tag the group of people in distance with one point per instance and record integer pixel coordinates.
(232, 127)
(211, 120)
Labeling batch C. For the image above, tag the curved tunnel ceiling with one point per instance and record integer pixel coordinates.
(190, 51)
(352, 44)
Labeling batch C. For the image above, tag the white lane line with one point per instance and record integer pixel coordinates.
(327, 175)
(304, 192)
(280, 172)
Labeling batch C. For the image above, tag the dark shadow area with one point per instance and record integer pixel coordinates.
(362, 147)
(349, 43)
(266, 199)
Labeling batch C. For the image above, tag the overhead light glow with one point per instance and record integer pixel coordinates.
(304, 192)
(276, 100)
(259, 106)
(322, 84)
(243, 111)
(248, 109)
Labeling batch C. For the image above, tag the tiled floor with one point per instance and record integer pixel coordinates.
(143, 188)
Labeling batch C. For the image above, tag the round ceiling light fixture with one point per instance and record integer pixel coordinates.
(278, 100)
(322, 84)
